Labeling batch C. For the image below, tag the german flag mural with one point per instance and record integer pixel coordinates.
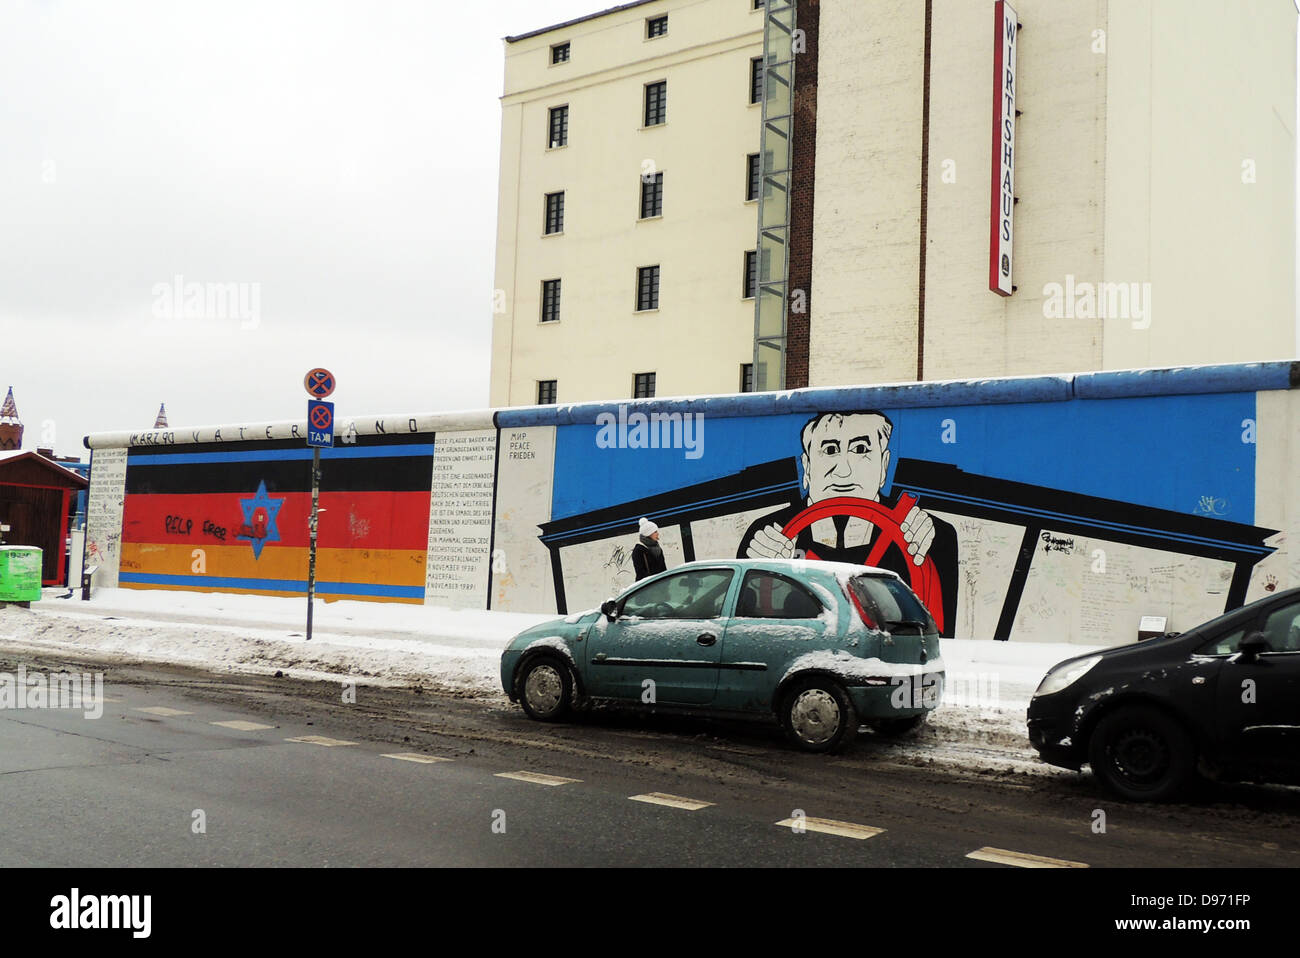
(234, 517)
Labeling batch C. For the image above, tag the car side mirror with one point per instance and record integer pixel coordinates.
(610, 608)
(1251, 645)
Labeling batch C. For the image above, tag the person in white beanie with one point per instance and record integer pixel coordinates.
(647, 556)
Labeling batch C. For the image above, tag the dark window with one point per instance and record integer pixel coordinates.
(652, 195)
(756, 80)
(750, 281)
(643, 386)
(766, 595)
(546, 392)
(656, 26)
(559, 132)
(1225, 644)
(560, 53)
(647, 287)
(656, 103)
(550, 300)
(695, 594)
(555, 212)
(753, 176)
(746, 377)
(1282, 629)
(758, 4)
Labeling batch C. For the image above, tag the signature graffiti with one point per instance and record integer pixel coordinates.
(1053, 543)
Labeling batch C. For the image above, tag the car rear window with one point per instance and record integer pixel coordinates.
(766, 595)
(891, 603)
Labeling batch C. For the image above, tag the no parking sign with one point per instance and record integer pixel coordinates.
(320, 423)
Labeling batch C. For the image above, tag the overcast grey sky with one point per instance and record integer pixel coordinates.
(339, 154)
(336, 157)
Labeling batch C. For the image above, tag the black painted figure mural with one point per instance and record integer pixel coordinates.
(842, 517)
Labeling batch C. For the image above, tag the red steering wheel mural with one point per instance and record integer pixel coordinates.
(924, 578)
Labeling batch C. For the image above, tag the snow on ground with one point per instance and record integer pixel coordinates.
(981, 723)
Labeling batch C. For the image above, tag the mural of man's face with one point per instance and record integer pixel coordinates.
(845, 456)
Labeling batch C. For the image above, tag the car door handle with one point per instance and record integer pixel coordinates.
(706, 638)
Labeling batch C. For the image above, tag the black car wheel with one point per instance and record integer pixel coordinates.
(896, 728)
(818, 715)
(1142, 754)
(545, 688)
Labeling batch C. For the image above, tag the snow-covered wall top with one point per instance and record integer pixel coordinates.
(1185, 380)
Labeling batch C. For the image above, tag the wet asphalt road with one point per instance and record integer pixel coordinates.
(133, 787)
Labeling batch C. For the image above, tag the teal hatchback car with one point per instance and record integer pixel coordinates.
(820, 647)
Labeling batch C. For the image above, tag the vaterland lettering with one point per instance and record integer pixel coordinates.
(59, 690)
(656, 430)
(76, 910)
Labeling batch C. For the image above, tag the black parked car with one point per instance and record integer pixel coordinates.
(1223, 697)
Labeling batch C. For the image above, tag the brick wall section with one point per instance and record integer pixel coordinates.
(803, 185)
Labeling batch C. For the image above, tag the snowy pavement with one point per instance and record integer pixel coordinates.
(981, 723)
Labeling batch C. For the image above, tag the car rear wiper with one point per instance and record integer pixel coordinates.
(890, 623)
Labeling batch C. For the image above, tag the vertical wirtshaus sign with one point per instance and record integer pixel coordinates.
(1003, 199)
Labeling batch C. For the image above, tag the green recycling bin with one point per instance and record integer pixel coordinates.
(20, 574)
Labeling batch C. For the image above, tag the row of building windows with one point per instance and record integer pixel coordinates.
(654, 27)
(655, 112)
(652, 196)
(647, 288)
(643, 385)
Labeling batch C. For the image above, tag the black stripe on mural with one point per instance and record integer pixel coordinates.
(399, 474)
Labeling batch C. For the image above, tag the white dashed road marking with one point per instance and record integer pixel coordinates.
(537, 778)
(239, 725)
(828, 826)
(160, 710)
(416, 757)
(319, 740)
(672, 801)
(1020, 859)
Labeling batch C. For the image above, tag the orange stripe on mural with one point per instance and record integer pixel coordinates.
(404, 567)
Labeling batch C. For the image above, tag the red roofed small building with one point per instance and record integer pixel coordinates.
(37, 498)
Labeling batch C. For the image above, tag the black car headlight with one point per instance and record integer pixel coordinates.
(1063, 676)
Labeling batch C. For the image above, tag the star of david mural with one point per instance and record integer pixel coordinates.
(259, 526)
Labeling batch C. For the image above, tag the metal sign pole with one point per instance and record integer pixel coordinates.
(319, 383)
(311, 556)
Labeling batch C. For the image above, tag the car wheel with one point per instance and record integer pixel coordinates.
(896, 728)
(818, 716)
(1142, 754)
(545, 689)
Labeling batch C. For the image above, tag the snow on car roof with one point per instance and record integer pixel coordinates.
(839, 569)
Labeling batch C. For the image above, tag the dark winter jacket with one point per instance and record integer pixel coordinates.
(647, 558)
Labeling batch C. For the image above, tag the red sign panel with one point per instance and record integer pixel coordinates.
(1002, 194)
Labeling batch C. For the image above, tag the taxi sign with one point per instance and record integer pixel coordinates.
(320, 423)
(319, 383)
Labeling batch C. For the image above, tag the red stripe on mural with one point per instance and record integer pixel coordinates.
(348, 520)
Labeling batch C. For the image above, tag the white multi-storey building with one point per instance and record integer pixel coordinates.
(1153, 212)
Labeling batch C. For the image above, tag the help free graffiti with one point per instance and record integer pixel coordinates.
(180, 526)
